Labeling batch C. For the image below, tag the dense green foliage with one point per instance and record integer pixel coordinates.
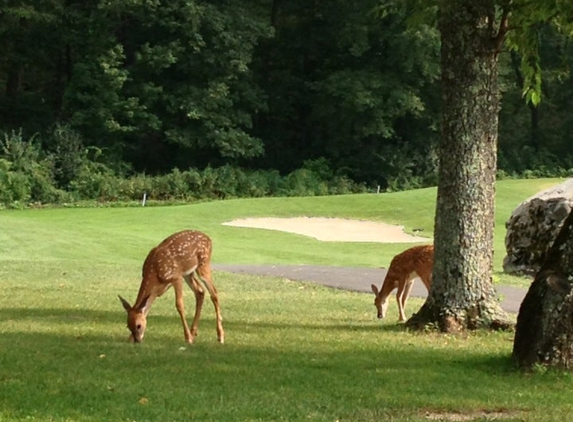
(146, 87)
(29, 175)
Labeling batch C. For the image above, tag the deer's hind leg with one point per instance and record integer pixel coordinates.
(204, 274)
(402, 295)
(199, 297)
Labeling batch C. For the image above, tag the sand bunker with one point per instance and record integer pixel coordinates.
(333, 229)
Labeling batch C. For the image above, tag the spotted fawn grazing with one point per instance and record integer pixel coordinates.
(404, 268)
(185, 255)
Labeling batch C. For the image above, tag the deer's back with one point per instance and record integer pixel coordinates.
(419, 259)
(178, 254)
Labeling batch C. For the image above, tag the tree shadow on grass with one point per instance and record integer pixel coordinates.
(76, 315)
(53, 376)
(166, 330)
(61, 315)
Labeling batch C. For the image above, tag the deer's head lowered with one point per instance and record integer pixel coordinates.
(136, 319)
(380, 301)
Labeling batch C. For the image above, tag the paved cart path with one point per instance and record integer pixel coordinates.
(355, 279)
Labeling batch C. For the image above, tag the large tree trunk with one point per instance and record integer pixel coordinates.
(544, 331)
(462, 294)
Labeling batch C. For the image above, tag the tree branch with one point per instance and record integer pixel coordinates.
(503, 27)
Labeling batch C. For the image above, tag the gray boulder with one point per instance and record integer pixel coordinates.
(533, 227)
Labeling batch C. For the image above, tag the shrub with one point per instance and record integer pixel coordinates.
(226, 181)
(341, 185)
(14, 186)
(26, 174)
(95, 181)
(259, 184)
(193, 182)
(169, 186)
(304, 182)
(133, 188)
(67, 153)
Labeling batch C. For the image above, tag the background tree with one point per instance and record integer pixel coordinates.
(536, 136)
(351, 88)
(178, 86)
(29, 78)
(160, 84)
(262, 85)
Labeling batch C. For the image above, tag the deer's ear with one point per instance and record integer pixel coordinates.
(126, 305)
(374, 289)
(144, 304)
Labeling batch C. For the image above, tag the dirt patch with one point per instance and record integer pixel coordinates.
(333, 229)
(472, 416)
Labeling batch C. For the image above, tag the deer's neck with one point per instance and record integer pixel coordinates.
(147, 293)
(387, 288)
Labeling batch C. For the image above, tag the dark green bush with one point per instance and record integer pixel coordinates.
(67, 153)
(193, 180)
(341, 185)
(14, 186)
(263, 183)
(226, 181)
(95, 181)
(527, 162)
(26, 174)
(72, 173)
(133, 188)
(304, 182)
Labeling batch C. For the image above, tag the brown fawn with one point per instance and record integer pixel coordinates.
(404, 268)
(185, 255)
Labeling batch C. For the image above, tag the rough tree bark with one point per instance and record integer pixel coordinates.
(462, 294)
(544, 330)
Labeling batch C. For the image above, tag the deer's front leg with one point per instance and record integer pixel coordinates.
(199, 297)
(179, 304)
(401, 290)
(406, 295)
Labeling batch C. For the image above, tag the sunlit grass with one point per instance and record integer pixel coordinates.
(124, 235)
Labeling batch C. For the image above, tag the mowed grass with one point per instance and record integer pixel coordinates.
(294, 351)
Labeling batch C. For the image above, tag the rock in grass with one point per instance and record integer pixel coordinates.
(533, 227)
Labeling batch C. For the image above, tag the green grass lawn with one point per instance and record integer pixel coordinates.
(293, 351)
